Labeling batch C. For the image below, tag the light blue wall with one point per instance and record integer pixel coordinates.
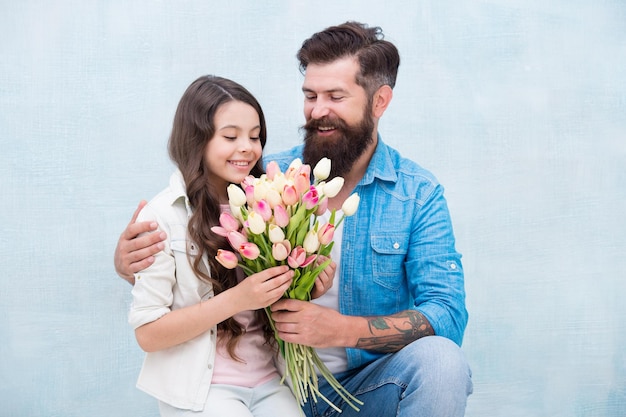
(519, 107)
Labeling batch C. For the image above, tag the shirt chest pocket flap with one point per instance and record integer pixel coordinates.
(388, 254)
(180, 248)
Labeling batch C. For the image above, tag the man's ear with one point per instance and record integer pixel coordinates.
(381, 100)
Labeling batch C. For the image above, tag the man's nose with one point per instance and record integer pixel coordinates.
(319, 110)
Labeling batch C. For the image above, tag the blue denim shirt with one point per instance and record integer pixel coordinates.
(398, 250)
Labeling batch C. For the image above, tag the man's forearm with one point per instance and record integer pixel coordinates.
(391, 333)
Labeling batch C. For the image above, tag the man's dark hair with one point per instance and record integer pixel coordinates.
(378, 59)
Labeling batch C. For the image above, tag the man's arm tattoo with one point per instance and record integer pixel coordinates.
(409, 324)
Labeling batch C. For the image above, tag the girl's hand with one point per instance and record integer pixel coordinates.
(325, 279)
(264, 288)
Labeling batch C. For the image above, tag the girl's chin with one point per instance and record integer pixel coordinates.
(238, 177)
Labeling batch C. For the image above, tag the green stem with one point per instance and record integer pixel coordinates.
(301, 365)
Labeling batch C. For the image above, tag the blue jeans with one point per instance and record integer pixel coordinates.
(428, 378)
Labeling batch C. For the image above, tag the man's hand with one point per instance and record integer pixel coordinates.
(133, 253)
(309, 324)
(325, 279)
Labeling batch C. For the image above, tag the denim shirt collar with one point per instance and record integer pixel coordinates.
(380, 166)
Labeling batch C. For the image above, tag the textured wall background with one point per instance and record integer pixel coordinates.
(518, 107)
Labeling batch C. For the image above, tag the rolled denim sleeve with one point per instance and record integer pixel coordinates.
(434, 270)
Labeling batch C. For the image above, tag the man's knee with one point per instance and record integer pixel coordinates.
(435, 356)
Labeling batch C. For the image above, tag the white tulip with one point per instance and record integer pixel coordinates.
(275, 233)
(322, 169)
(236, 212)
(273, 197)
(279, 182)
(260, 190)
(332, 187)
(295, 164)
(350, 205)
(236, 196)
(311, 242)
(256, 224)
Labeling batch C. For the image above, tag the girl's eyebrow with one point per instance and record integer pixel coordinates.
(237, 127)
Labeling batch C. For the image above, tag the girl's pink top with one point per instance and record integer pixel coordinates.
(256, 364)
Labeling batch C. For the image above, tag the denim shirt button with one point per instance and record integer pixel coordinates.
(452, 265)
(396, 245)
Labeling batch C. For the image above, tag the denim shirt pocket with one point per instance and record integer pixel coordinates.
(388, 254)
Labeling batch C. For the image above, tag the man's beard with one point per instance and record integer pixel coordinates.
(343, 148)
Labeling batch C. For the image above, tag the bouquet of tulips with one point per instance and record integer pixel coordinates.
(274, 220)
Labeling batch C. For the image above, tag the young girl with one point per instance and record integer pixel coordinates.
(209, 346)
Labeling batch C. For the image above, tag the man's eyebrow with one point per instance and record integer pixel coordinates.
(329, 91)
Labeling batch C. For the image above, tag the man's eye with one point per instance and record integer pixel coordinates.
(336, 98)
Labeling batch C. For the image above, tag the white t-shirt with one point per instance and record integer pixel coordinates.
(335, 358)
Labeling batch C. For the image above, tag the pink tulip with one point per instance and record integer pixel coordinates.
(249, 250)
(280, 250)
(302, 182)
(290, 195)
(293, 168)
(219, 230)
(322, 207)
(308, 261)
(296, 257)
(228, 221)
(310, 198)
(249, 190)
(306, 170)
(263, 208)
(249, 180)
(226, 258)
(326, 233)
(281, 218)
(271, 170)
(236, 239)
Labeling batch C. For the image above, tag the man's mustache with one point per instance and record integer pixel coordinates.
(315, 124)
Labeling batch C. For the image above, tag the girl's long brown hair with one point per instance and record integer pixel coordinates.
(192, 129)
